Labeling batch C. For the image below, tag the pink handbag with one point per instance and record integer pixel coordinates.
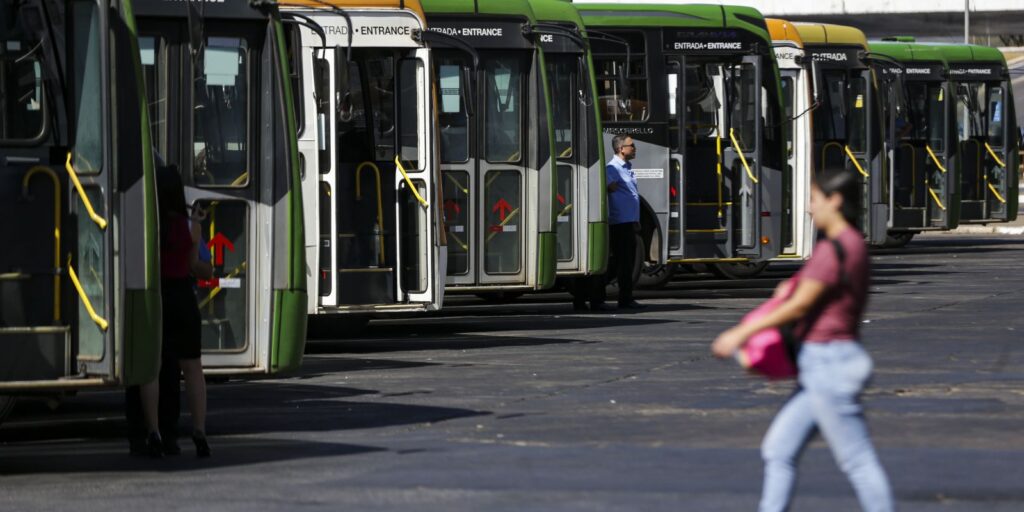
(768, 352)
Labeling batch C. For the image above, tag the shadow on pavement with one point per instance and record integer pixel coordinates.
(369, 345)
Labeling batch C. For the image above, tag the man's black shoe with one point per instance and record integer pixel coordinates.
(601, 307)
(631, 305)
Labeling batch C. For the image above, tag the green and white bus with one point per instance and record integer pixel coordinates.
(697, 87)
(986, 125)
(921, 138)
(79, 276)
(496, 146)
(367, 132)
(230, 130)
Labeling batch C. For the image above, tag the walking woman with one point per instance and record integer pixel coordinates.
(826, 300)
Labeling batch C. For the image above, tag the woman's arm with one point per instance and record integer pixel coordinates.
(807, 293)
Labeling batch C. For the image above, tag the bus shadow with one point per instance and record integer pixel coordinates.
(417, 329)
(253, 423)
(385, 344)
(90, 456)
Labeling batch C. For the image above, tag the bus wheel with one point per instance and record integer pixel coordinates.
(653, 276)
(738, 270)
(898, 240)
(500, 297)
(6, 406)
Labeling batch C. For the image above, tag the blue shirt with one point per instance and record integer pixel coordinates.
(624, 203)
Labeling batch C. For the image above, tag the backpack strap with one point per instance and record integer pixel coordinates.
(841, 257)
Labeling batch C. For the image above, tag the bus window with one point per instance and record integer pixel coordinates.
(788, 99)
(995, 116)
(409, 128)
(88, 147)
(703, 101)
(21, 92)
(830, 120)
(857, 124)
(936, 109)
(354, 145)
(380, 90)
(220, 145)
(563, 99)
(151, 50)
(610, 65)
(453, 117)
(743, 116)
(503, 117)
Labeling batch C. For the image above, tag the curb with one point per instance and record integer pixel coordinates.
(987, 230)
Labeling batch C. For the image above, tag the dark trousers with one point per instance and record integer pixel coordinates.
(622, 259)
(170, 402)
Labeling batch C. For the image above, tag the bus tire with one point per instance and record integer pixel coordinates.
(655, 276)
(898, 240)
(6, 406)
(738, 270)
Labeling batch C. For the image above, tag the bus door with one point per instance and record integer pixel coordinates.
(922, 191)
(1000, 153)
(212, 133)
(720, 127)
(573, 143)
(866, 156)
(377, 233)
(58, 208)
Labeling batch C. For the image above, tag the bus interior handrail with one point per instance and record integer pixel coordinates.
(100, 221)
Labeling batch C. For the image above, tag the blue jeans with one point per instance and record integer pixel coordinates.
(832, 376)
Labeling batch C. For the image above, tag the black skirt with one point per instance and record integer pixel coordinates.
(182, 323)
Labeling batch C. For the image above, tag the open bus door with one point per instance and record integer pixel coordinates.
(717, 120)
(231, 137)
(77, 182)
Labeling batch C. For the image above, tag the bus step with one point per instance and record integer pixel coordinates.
(35, 353)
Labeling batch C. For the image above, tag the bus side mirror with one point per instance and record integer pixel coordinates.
(816, 81)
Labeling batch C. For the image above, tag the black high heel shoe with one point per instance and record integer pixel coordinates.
(202, 446)
(154, 446)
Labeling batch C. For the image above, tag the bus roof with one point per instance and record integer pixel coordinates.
(829, 34)
(411, 5)
(907, 52)
(675, 15)
(783, 30)
(491, 7)
(970, 53)
(556, 11)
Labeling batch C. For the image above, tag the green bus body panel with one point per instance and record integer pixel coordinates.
(288, 340)
(547, 249)
(492, 7)
(561, 11)
(143, 313)
(289, 336)
(598, 246)
(676, 15)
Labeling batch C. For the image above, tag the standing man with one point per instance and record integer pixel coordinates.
(623, 227)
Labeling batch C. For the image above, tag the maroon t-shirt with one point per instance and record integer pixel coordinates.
(176, 250)
(837, 315)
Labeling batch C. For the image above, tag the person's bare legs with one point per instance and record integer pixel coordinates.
(150, 396)
(195, 392)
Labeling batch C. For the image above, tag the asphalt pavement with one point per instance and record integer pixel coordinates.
(530, 406)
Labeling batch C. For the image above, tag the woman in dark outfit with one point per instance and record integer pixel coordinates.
(179, 264)
(827, 298)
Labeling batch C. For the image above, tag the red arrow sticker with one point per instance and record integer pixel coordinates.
(673, 191)
(452, 206)
(561, 199)
(217, 245)
(502, 207)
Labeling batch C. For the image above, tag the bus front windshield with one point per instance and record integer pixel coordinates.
(378, 113)
(842, 116)
(922, 118)
(21, 87)
(721, 101)
(980, 112)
